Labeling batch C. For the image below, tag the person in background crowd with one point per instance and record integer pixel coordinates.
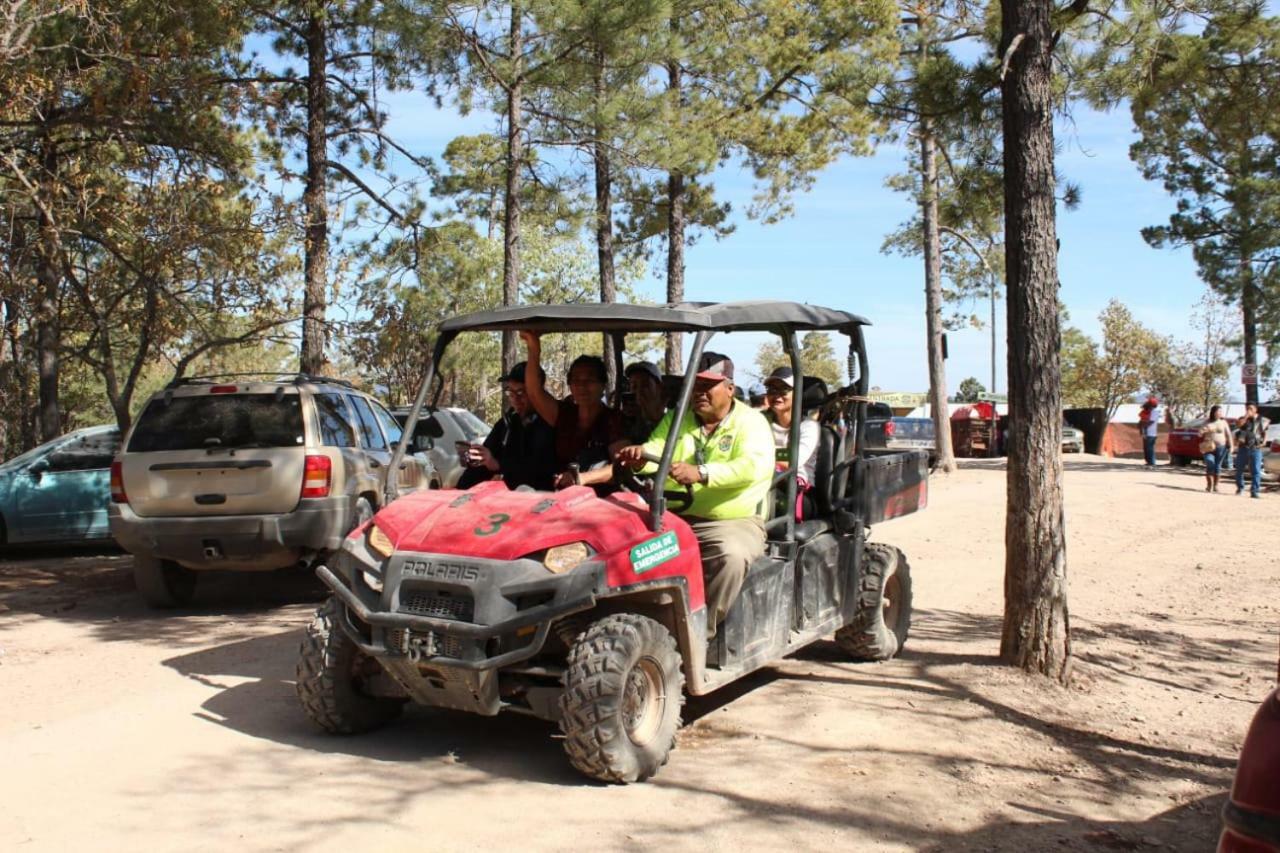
(1215, 444)
(780, 392)
(1251, 434)
(644, 382)
(584, 426)
(520, 447)
(1149, 421)
(756, 397)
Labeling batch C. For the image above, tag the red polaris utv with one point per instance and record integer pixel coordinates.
(589, 611)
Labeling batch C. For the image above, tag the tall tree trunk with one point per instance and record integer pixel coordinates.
(933, 298)
(515, 163)
(675, 229)
(1036, 634)
(49, 279)
(675, 265)
(1249, 320)
(314, 201)
(604, 211)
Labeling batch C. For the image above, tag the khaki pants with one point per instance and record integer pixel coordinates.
(728, 547)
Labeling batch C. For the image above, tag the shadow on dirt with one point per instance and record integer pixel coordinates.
(266, 706)
(96, 589)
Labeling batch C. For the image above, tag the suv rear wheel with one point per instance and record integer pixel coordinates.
(163, 583)
(331, 674)
(883, 619)
(622, 695)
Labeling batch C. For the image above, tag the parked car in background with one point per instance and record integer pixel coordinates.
(885, 432)
(437, 435)
(1271, 451)
(58, 492)
(248, 475)
(1184, 442)
(1072, 439)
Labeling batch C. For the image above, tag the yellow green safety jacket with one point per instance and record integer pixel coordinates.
(739, 457)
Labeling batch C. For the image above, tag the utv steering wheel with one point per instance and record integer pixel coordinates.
(628, 479)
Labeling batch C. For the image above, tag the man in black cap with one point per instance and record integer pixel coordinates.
(521, 447)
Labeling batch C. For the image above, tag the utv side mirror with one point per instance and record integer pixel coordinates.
(429, 426)
(38, 468)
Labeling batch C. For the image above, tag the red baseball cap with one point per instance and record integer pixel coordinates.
(714, 365)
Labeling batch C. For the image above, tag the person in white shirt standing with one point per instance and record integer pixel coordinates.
(1149, 420)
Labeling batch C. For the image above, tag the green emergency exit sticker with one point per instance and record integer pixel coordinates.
(655, 552)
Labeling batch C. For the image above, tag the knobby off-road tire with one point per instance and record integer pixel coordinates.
(623, 690)
(163, 583)
(329, 679)
(883, 618)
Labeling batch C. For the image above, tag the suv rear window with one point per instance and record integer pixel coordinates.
(219, 420)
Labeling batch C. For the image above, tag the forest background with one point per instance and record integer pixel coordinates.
(316, 185)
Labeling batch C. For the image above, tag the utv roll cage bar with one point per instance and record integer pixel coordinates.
(703, 320)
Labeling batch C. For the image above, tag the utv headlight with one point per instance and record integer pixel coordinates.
(562, 558)
(379, 542)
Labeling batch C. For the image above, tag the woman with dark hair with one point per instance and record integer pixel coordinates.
(584, 425)
(1215, 444)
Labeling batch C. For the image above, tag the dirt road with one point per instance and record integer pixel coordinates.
(120, 728)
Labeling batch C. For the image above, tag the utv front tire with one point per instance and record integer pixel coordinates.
(163, 584)
(883, 618)
(622, 695)
(330, 670)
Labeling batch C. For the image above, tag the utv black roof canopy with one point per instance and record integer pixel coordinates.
(756, 315)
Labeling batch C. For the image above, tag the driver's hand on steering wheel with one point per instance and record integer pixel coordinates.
(685, 474)
(632, 455)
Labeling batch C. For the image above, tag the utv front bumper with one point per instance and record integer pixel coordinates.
(486, 615)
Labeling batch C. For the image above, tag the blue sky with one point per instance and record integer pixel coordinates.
(828, 252)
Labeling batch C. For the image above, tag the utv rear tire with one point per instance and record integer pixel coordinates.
(328, 685)
(163, 584)
(883, 619)
(623, 690)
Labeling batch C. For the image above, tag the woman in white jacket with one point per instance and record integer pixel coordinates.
(779, 390)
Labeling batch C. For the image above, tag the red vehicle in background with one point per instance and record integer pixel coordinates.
(1184, 443)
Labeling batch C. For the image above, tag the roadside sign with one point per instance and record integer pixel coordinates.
(1249, 374)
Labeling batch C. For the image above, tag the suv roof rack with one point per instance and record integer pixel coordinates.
(274, 376)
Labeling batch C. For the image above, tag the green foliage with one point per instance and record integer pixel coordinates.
(817, 358)
(971, 391)
(1211, 136)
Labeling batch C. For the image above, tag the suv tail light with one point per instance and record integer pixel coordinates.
(890, 428)
(316, 476)
(117, 484)
(1275, 447)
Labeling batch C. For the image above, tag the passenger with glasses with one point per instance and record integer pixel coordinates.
(520, 449)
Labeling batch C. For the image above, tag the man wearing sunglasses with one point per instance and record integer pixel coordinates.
(520, 447)
(724, 451)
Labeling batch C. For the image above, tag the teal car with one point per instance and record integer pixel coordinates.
(58, 492)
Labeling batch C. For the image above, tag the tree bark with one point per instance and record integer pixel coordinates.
(1036, 635)
(314, 200)
(49, 280)
(515, 162)
(1249, 321)
(933, 298)
(675, 266)
(675, 234)
(604, 211)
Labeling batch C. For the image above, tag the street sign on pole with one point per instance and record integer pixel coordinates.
(1249, 374)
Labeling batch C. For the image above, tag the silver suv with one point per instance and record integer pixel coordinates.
(248, 475)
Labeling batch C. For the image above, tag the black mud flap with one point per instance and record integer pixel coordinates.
(890, 485)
